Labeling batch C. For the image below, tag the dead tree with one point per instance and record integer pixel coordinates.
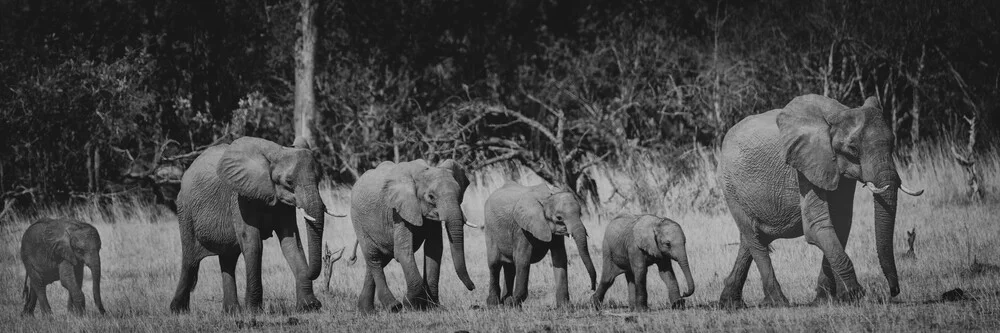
(563, 167)
(329, 257)
(911, 237)
(967, 159)
(305, 54)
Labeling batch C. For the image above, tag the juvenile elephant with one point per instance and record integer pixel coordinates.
(633, 243)
(396, 208)
(522, 225)
(792, 171)
(56, 250)
(232, 197)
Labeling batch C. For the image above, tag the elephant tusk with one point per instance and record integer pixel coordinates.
(473, 225)
(910, 192)
(328, 212)
(306, 215)
(876, 190)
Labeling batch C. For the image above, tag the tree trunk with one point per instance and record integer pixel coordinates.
(915, 111)
(305, 96)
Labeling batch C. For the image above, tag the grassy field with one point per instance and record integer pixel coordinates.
(954, 249)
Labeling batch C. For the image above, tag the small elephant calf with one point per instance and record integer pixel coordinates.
(56, 250)
(633, 243)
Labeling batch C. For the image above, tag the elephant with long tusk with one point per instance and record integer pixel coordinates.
(236, 195)
(793, 171)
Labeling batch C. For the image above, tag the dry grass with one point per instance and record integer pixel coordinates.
(955, 238)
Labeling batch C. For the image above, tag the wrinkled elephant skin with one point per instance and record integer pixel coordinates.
(793, 171)
(232, 197)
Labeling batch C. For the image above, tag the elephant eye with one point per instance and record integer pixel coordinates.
(430, 197)
(851, 150)
(559, 218)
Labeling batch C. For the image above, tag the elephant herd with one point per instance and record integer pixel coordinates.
(785, 173)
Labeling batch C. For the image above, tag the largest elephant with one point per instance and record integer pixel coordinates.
(232, 197)
(791, 172)
(396, 208)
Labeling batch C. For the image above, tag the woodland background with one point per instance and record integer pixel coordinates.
(96, 94)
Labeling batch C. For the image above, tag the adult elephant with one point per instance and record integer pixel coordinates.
(396, 208)
(792, 171)
(232, 197)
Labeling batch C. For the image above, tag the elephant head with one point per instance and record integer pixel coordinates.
(825, 141)
(555, 214)
(263, 170)
(664, 239)
(82, 244)
(418, 191)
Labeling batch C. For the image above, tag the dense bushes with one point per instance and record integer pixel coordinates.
(485, 82)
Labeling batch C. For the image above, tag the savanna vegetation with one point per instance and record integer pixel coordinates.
(623, 102)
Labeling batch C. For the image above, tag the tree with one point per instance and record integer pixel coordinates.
(305, 54)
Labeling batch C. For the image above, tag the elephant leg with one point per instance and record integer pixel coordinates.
(493, 298)
(732, 292)
(639, 302)
(432, 258)
(522, 269)
(291, 248)
(366, 299)
(670, 280)
(416, 287)
(508, 281)
(841, 212)
(608, 275)
(67, 276)
(191, 255)
(227, 266)
(820, 230)
(30, 298)
(773, 296)
(43, 298)
(252, 253)
(558, 251)
(384, 294)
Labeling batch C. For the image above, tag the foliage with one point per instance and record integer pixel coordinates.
(449, 79)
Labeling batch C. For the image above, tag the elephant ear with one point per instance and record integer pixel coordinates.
(644, 234)
(805, 137)
(244, 167)
(62, 244)
(458, 171)
(401, 192)
(530, 215)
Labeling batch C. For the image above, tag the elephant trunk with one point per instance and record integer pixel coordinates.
(456, 235)
(885, 224)
(682, 260)
(580, 236)
(94, 262)
(308, 198)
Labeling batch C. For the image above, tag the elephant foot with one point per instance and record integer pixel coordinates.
(778, 301)
(308, 304)
(851, 295)
(396, 307)
(511, 302)
(178, 307)
(732, 303)
(231, 308)
(595, 303)
(679, 304)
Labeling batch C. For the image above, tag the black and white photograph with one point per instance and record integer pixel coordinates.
(499, 166)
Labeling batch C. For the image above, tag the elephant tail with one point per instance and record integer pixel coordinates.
(27, 288)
